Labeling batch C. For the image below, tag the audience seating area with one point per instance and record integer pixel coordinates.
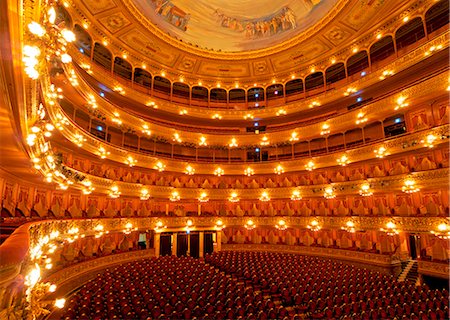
(251, 285)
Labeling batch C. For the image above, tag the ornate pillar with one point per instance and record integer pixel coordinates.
(156, 243)
(188, 253)
(174, 244)
(218, 244)
(200, 244)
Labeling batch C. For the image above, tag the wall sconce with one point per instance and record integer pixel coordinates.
(365, 190)
(189, 225)
(78, 139)
(349, 227)
(401, 103)
(443, 231)
(343, 160)
(314, 104)
(203, 197)
(114, 192)
(361, 118)
(325, 129)
(380, 152)
(314, 226)
(177, 138)
(129, 228)
(295, 196)
(329, 193)
(219, 225)
(146, 130)
(281, 225)
(233, 197)
(159, 166)
(390, 229)
(233, 143)
(202, 141)
(159, 226)
(349, 91)
(386, 73)
(219, 172)
(145, 195)
(294, 137)
(409, 186)
(264, 197)
(189, 170)
(279, 169)
(250, 225)
(174, 196)
(310, 166)
(248, 116)
(281, 112)
(216, 116)
(264, 141)
(249, 172)
(429, 141)
(103, 153)
(130, 161)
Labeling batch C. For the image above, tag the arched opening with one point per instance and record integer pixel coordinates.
(102, 56)
(314, 81)
(255, 96)
(274, 91)
(218, 95)
(180, 90)
(83, 40)
(382, 49)
(335, 73)
(237, 95)
(63, 18)
(200, 93)
(161, 84)
(142, 77)
(357, 63)
(410, 33)
(122, 68)
(294, 87)
(437, 16)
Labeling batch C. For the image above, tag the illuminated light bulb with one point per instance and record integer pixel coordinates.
(294, 137)
(406, 19)
(349, 91)
(295, 196)
(219, 225)
(159, 226)
(114, 192)
(174, 196)
(65, 58)
(312, 69)
(233, 197)
(36, 29)
(325, 129)
(105, 43)
(310, 166)
(314, 104)
(349, 226)
(68, 35)
(250, 225)
(52, 288)
(355, 50)
(52, 13)
(293, 76)
(333, 60)
(203, 197)
(183, 112)
(365, 190)
(329, 193)
(390, 229)
(264, 197)
(279, 169)
(200, 83)
(177, 138)
(248, 116)
(219, 172)
(429, 141)
(401, 103)
(202, 141)
(361, 118)
(264, 141)
(216, 116)
(145, 195)
(249, 172)
(281, 225)
(218, 85)
(281, 112)
(233, 143)
(379, 36)
(124, 56)
(159, 166)
(380, 152)
(130, 161)
(314, 226)
(442, 231)
(343, 160)
(409, 186)
(189, 170)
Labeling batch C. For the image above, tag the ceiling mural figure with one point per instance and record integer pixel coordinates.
(234, 25)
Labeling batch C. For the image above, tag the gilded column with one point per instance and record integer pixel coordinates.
(174, 244)
(200, 245)
(156, 243)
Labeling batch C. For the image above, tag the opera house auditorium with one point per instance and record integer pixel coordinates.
(179, 159)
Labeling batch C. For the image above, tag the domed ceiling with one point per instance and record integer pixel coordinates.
(234, 25)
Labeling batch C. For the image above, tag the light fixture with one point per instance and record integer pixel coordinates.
(159, 166)
(264, 196)
(145, 130)
(177, 138)
(129, 228)
(216, 116)
(361, 118)
(250, 225)
(380, 152)
(174, 196)
(405, 19)
(130, 161)
(233, 197)
(443, 231)
(189, 170)
(314, 226)
(145, 195)
(182, 112)
(279, 169)
(219, 172)
(281, 112)
(349, 91)
(203, 197)
(401, 103)
(159, 226)
(314, 104)
(343, 160)
(390, 229)
(119, 89)
(329, 193)
(385, 74)
(78, 139)
(365, 190)
(281, 225)
(59, 303)
(264, 141)
(294, 137)
(102, 152)
(349, 226)
(233, 143)
(310, 166)
(325, 129)
(248, 116)
(114, 192)
(219, 225)
(295, 196)
(202, 141)
(249, 171)
(429, 141)
(189, 225)
(409, 186)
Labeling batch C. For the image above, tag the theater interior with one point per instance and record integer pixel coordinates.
(176, 159)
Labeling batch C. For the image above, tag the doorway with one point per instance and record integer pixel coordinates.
(414, 246)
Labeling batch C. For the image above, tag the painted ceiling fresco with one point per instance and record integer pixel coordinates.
(234, 25)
